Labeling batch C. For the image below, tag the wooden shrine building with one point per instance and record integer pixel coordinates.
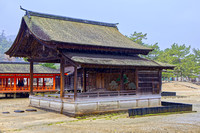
(104, 64)
(15, 77)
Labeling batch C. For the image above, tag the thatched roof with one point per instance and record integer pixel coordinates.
(116, 60)
(47, 38)
(24, 67)
(77, 31)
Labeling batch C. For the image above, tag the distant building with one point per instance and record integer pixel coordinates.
(15, 78)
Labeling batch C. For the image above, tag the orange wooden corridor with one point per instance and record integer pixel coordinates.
(9, 83)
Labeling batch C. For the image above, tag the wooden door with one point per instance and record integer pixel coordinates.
(100, 80)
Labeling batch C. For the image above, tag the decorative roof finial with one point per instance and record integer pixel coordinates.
(22, 8)
(27, 12)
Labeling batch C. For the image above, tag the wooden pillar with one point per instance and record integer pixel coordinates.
(84, 80)
(54, 82)
(15, 83)
(27, 82)
(31, 78)
(6, 82)
(122, 80)
(75, 83)
(160, 80)
(2, 82)
(43, 84)
(10, 82)
(37, 82)
(62, 77)
(136, 79)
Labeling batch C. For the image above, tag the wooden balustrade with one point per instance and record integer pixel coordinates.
(101, 94)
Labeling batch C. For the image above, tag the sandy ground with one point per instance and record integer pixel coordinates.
(49, 122)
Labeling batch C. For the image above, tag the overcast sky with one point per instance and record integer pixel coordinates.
(164, 21)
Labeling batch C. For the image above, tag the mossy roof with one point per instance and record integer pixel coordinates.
(77, 31)
(15, 67)
(115, 60)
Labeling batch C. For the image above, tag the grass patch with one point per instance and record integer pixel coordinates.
(55, 123)
(106, 116)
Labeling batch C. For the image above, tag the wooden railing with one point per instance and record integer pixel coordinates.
(26, 89)
(101, 94)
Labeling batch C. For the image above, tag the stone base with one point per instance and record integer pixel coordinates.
(94, 105)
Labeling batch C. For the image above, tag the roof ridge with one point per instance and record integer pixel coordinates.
(51, 16)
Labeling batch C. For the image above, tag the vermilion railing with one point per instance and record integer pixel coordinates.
(26, 89)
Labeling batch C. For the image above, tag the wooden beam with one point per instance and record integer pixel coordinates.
(118, 66)
(31, 78)
(100, 48)
(75, 83)
(49, 59)
(62, 77)
(84, 80)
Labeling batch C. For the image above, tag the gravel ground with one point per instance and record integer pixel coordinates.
(49, 122)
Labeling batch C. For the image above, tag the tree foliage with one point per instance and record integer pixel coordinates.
(187, 63)
(138, 37)
(4, 45)
(50, 65)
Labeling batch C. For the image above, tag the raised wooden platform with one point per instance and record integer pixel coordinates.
(83, 106)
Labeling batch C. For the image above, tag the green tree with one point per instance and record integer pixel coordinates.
(180, 56)
(154, 55)
(50, 65)
(190, 67)
(4, 45)
(197, 55)
(187, 63)
(138, 37)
